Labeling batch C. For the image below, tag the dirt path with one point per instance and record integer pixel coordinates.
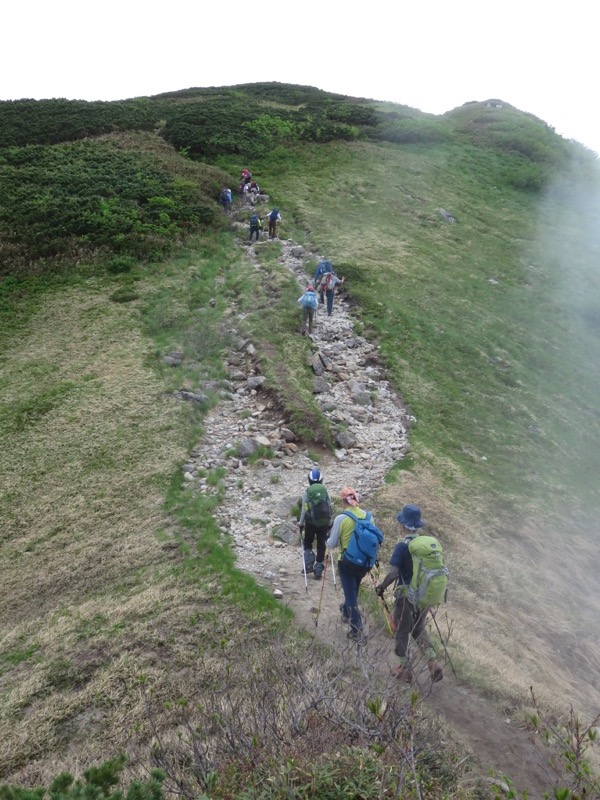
(256, 511)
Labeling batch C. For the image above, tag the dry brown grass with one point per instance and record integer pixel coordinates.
(89, 600)
(520, 618)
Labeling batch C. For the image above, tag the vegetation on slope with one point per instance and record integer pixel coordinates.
(488, 327)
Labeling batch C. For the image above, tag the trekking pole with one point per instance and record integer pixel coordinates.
(303, 561)
(333, 570)
(387, 613)
(443, 641)
(321, 595)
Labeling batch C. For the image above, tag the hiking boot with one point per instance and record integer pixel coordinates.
(404, 673)
(318, 570)
(345, 619)
(357, 636)
(435, 671)
(309, 560)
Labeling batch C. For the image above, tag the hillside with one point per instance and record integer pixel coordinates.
(115, 256)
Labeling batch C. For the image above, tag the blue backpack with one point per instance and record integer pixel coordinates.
(363, 547)
(254, 220)
(324, 266)
(309, 300)
(273, 215)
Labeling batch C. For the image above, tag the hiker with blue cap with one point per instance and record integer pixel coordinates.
(418, 571)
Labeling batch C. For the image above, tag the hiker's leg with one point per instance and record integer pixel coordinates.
(311, 316)
(321, 540)
(329, 294)
(403, 618)
(304, 319)
(421, 636)
(350, 584)
(309, 535)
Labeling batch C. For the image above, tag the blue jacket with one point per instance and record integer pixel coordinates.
(402, 559)
(324, 266)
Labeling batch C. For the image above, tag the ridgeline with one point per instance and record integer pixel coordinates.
(469, 247)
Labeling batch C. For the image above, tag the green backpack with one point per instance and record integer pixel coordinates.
(429, 581)
(318, 506)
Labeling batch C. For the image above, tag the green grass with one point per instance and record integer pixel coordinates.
(482, 365)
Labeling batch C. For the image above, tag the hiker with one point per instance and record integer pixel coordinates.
(274, 219)
(323, 266)
(412, 605)
(226, 199)
(253, 191)
(246, 176)
(359, 539)
(309, 303)
(315, 521)
(255, 226)
(327, 283)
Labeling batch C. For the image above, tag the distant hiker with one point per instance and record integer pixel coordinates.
(327, 283)
(274, 219)
(255, 226)
(253, 191)
(315, 521)
(226, 200)
(359, 539)
(417, 568)
(309, 303)
(246, 176)
(322, 267)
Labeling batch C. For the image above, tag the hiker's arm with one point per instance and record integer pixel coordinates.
(302, 512)
(334, 536)
(392, 576)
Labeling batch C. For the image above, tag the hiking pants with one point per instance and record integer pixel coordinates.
(254, 229)
(308, 315)
(272, 228)
(329, 293)
(350, 578)
(310, 531)
(410, 622)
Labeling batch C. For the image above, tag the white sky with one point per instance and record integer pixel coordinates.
(433, 55)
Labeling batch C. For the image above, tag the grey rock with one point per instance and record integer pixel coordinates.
(173, 359)
(320, 385)
(255, 381)
(246, 447)
(288, 435)
(191, 397)
(287, 532)
(317, 365)
(363, 399)
(345, 439)
(297, 251)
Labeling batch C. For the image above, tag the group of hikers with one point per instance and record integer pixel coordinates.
(320, 290)
(416, 568)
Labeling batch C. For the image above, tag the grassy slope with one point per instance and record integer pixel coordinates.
(459, 349)
(501, 377)
(102, 581)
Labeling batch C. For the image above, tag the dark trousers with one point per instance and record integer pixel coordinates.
(350, 578)
(254, 229)
(272, 228)
(310, 531)
(410, 621)
(329, 294)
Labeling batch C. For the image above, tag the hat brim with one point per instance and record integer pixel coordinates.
(410, 523)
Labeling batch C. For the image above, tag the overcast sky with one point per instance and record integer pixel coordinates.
(538, 56)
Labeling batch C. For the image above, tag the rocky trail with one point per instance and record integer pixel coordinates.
(372, 426)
